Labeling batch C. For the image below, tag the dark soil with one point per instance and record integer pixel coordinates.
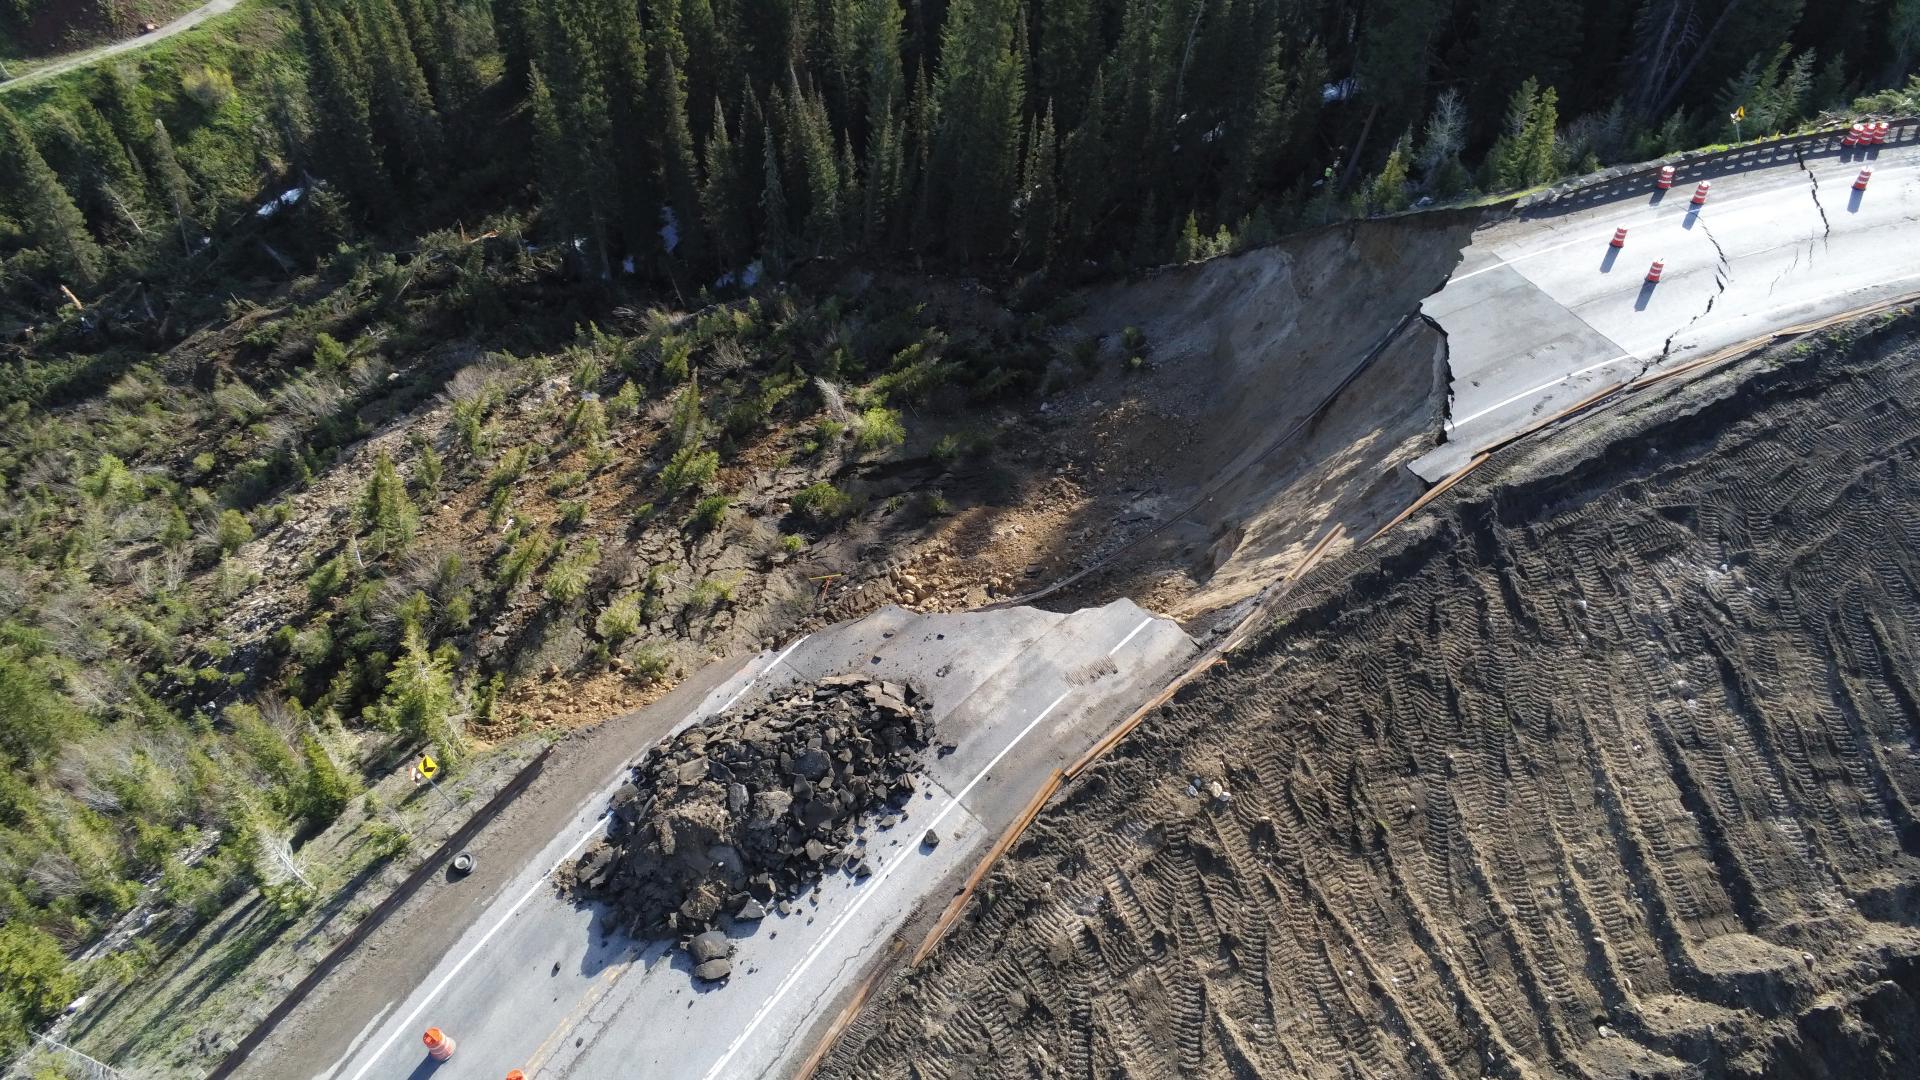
(744, 812)
(1603, 766)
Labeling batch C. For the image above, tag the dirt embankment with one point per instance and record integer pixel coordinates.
(1282, 391)
(1604, 766)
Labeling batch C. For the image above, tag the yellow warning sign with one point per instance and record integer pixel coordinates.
(1740, 113)
(428, 766)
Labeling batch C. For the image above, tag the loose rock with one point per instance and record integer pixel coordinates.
(750, 809)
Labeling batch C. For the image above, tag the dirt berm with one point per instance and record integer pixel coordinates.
(1602, 766)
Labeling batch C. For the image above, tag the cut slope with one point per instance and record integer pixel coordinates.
(1603, 767)
(1287, 387)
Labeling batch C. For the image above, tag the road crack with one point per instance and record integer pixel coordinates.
(1720, 279)
(1813, 182)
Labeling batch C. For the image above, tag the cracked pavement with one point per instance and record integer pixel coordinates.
(1541, 312)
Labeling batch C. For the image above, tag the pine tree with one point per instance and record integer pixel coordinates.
(81, 148)
(1066, 56)
(1086, 178)
(1388, 191)
(173, 182)
(400, 104)
(419, 700)
(728, 214)
(1039, 195)
(339, 85)
(777, 241)
(673, 148)
(976, 139)
(1509, 165)
(326, 789)
(384, 507)
(47, 212)
(513, 29)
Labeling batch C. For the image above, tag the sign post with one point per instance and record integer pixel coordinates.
(426, 769)
(1736, 116)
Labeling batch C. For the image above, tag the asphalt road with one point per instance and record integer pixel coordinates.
(82, 59)
(542, 985)
(1542, 312)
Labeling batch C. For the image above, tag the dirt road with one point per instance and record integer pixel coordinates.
(81, 59)
(1604, 766)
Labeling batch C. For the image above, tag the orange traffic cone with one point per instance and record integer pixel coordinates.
(516, 1074)
(1619, 237)
(1666, 178)
(439, 1044)
(1700, 193)
(1654, 271)
(1866, 174)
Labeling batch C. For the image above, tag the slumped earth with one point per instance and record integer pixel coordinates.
(1603, 766)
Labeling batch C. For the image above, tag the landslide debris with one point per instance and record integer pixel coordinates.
(741, 814)
(1603, 766)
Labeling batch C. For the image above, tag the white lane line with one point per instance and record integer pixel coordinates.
(774, 663)
(1637, 222)
(872, 887)
(1130, 635)
(1524, 394)
(599, 824)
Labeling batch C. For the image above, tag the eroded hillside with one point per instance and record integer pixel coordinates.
(1604, 766)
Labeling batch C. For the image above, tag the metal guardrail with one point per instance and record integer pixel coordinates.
(1610, 184)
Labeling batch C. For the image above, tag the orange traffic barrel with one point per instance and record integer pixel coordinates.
(1866, 174)
(1700, 193)
(439, 1044)
(516, 1074)
(1654, 271)
(1855, 136)
(1666, 177)
(1619, 237)
(1880, 132)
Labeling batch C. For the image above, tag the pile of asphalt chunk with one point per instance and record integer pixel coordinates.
(748, 810)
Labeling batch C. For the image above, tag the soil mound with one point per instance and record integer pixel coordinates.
(750, 809)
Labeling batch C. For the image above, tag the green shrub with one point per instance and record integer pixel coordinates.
(233, 531)
(523, 556)
(879, 428)
(708, 513)
(329, 355)
(823, 503)
(625, 403)
(710, 593)
(509, 468)
(691, 469)
(793, 544)
(568, 577)
(620, 619)
(565, 482)
(35, 982)
(388, 841)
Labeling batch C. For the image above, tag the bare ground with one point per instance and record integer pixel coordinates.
(1603, 766)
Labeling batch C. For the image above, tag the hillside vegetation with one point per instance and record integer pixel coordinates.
(368, 365)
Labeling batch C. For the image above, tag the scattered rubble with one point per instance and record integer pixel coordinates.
(749, 810)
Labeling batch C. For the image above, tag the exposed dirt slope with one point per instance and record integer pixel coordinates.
(1604, 766)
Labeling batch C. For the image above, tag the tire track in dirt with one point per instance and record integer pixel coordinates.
(1604, 765)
